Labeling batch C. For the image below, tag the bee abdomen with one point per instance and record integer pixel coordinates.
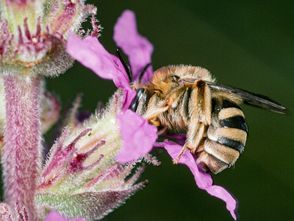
(229, 127)
(226, 136)
(217, 157)
(237, 122)
(230, 137)
(227, 155)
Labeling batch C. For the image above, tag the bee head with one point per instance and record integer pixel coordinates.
(167, 78)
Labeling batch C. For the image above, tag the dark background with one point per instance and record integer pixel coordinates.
(248, 44)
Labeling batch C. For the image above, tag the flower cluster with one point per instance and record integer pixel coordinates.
(81, 177)
(95, 164)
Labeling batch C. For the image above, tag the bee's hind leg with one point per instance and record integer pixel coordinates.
(200, 117)
(194, 138)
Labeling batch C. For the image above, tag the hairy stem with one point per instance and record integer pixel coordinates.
(21, 154)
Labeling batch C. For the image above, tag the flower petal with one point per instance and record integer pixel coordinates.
(138, 136)
(137, 47)
(55, 216)
(203, 180)
(90, 52)
(129, 95)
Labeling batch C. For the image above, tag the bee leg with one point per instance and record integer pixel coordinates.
(192, 144)
(155, 122)
(202, 97)
(155, 107)
(206, 109)
(173, 98)
(158, 106)
(200, 114)
(196, 140)
(200, 117)
(183, 150)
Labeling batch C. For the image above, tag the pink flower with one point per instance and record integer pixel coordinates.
(137, 135)
(93, 55)
(54, 216)
(137, 47)
(90, 52)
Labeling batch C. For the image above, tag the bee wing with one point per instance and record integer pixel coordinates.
(251, 98)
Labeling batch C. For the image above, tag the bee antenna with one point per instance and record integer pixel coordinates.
(141, 75)
(125, 64)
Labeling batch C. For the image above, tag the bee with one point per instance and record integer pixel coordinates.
(187, 98)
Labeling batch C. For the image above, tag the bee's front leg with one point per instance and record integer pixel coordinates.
(155, 107)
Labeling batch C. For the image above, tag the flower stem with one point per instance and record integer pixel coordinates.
(21, 153)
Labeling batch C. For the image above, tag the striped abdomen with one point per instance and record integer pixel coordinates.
(226, 136)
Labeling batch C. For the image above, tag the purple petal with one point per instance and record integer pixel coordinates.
(55, 216)
(138, 136)
(129, 96)
(203, 180)
(137, 47)
(90, 52)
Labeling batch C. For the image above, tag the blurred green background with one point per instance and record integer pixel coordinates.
(248, 44)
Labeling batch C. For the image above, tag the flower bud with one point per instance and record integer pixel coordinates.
(33, 34)
(82, 177)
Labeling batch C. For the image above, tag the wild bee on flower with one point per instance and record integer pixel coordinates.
(187, 98)
(174, 98)
(95, 164)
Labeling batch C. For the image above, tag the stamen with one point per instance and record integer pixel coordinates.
(96, 27)
(38, 29)
(20, 36)
(27, 30)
